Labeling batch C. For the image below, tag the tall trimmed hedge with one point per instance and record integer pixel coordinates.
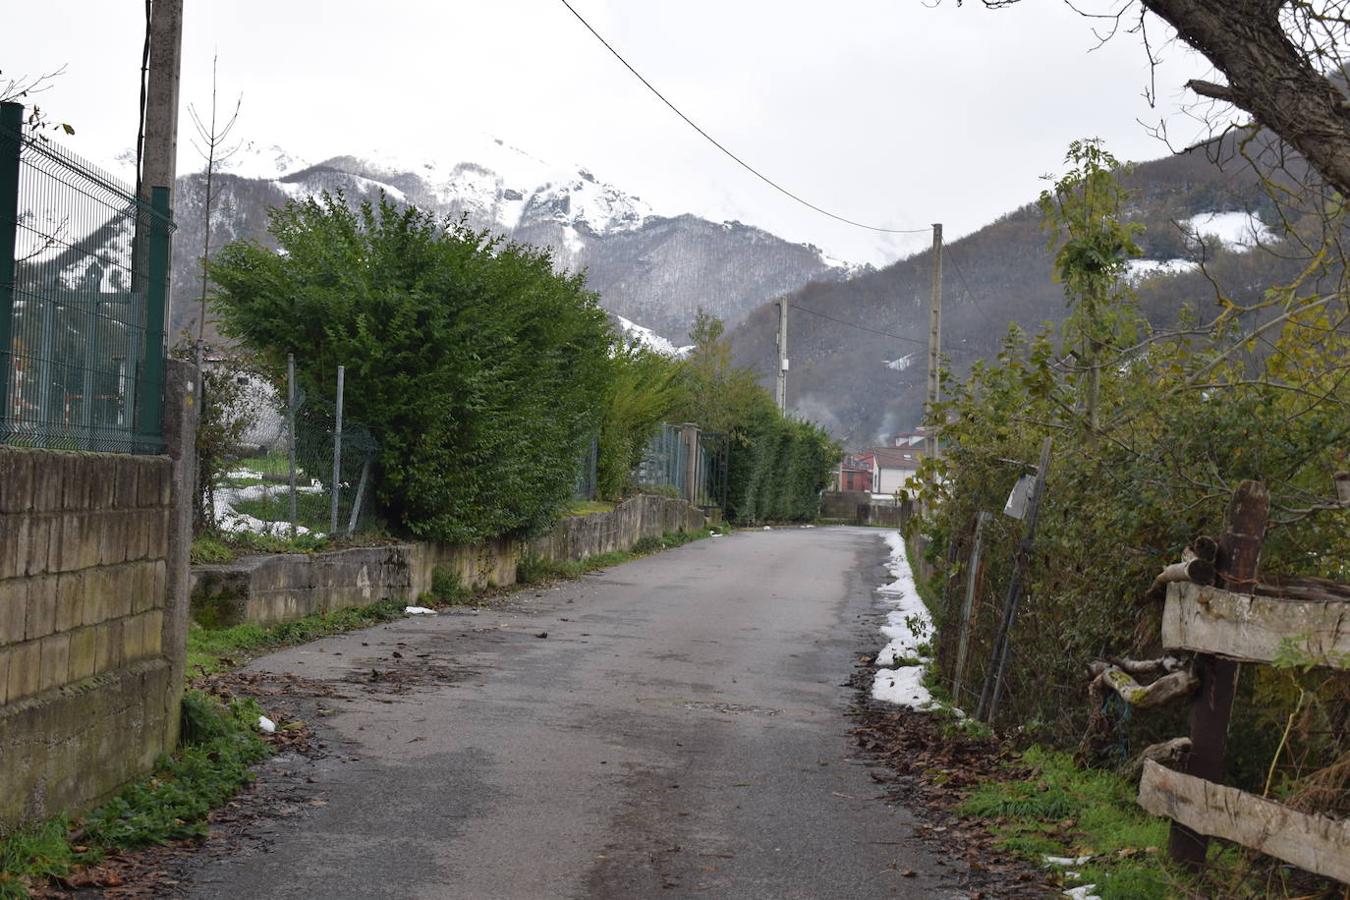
(777, 470)
(476, 367)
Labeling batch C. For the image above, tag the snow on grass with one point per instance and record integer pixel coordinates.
(230, 520)
(1137, 270)
(1083, 892)
(908, 625)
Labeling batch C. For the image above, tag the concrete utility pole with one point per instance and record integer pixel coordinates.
(782, 355)
(934, 337)
(160, 156)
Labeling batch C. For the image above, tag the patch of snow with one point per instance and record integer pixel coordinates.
(230, 520)
(1237, 231)
(907, 625)
(901, 364)
(1083, 892)
(903, 687)
(253, 160)
(651, 340)
(1136, 270)
(419, 611)
(266, 725)
(1066, 860)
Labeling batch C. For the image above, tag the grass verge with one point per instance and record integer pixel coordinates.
(217, 747)
(217, 649)
(1058, 809)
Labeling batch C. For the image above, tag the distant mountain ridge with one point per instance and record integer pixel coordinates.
(655, 271)
(862, 371)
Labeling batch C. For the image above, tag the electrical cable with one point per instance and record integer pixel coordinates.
(712, 140)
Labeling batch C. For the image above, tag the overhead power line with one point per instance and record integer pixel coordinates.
(898, 337)
(964, 286)
(958, 351)
(712, 140)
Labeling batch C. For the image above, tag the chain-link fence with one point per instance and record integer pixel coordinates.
(83, 280)
(309, 478)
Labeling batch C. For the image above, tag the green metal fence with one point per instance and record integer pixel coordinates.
(666, 464)
(83, 287)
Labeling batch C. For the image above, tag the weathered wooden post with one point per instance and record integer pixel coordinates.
(1239, 553)
(967, 605)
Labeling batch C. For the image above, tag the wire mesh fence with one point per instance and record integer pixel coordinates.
(83, 283)
(283, 480)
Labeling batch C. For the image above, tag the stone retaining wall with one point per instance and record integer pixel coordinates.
(91, 628)
(282, 587)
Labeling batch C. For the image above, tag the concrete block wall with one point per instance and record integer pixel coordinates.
(93, 614)
(83, 669)
(281, 587)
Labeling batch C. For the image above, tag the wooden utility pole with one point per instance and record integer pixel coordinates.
(1239, 554)
(934, 339)
(968, 605)
(782, 355)
(993, 682)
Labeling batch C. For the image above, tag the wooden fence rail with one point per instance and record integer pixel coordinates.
(1309, 622)
(1253, 628)
(1316, 843)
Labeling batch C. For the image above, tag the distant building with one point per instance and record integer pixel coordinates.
(892, 467)
(854, 474)
(915, 438)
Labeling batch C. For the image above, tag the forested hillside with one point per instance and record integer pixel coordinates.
(863, 375)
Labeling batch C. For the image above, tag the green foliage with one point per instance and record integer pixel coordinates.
(32, 854)
(776, 467)
(475, 366)
(210, 550)
(1058, 809)
(172, 804)
(446, 586)
(225, 417)
(640, 394)
(1152, 432)
(218, 744)
(213, 649)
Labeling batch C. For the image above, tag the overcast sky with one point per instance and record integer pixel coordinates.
(886, 111)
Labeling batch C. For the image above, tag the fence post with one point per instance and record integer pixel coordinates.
(360, 496)
(290, 431)
(993, 682)
(689, 439)
(968, 605)
(11, 142)
(150, 403)
(335, 488)
(1239, 554)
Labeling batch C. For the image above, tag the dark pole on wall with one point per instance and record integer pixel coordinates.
(11, 141)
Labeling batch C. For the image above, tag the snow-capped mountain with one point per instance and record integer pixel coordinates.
(655, 270)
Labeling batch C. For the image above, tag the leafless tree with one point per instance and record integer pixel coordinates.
(212, 143)
(22, 87)
(1283, 60)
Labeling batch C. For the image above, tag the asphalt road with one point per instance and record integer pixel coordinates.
(681, 731)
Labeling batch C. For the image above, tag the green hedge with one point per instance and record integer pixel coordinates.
(475, 366)
(777, 470)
